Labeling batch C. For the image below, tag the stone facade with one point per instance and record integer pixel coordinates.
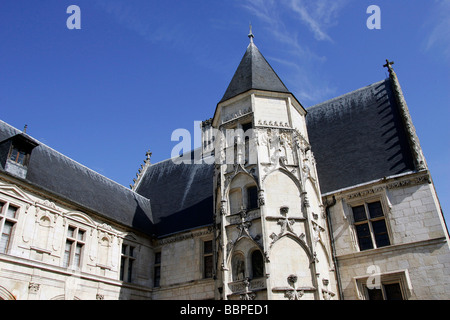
(37, 263)
(182, 267)
(34, 265)
(418, 255)
(269, 232)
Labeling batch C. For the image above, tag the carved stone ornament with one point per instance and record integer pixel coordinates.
(261, 198)
(317, 230)
(223, 207)
(286, 227)
(294, 293)
(247, 295)
(243, 226)
(33, 287)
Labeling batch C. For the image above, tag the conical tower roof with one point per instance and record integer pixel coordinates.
(253, 72)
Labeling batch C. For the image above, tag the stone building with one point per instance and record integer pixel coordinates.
(281, 202)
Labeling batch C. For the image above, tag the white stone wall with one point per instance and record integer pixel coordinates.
(182, 267)
(32, 267)
(35, 254)
(419, 252)
(271, 109)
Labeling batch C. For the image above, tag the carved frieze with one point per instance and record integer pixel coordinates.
(409, 181)
(238, 114)
(247, 286)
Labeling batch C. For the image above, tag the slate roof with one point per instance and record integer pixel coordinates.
(358, 137)
(61, 176)
(181, 195)
(253, 72)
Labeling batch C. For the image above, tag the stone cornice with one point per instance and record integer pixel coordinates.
(184, 236)
(376, 186)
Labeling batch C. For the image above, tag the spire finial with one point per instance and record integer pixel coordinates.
(148, 154)
(389, 65)
(250, 35)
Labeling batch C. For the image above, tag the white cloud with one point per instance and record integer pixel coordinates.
(318, 15)
(314, 24)
(302, 85)
(281, 19)
(438, 25)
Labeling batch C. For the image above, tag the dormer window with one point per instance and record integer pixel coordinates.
(18, 155)
(15, 154)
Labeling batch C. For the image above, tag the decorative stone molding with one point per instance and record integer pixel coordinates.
(286, 226)
(400, 183)
(246, 288)
(239, 168)
(183, 237)
(243, 226)
(270, 123)
(249, 216)
(236, 115)
(410, 182)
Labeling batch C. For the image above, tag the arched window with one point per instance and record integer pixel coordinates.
(257, 264)
(243, 193)
(238, 267)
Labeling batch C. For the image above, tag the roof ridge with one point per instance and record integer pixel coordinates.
(76, 162)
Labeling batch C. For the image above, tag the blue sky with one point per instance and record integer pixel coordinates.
(137, 70)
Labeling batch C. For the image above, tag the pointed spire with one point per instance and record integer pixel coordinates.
(253, 72)
(250, 35)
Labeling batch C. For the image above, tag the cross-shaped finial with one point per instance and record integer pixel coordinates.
(250, 35)
(388, 65)
(148, 154)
